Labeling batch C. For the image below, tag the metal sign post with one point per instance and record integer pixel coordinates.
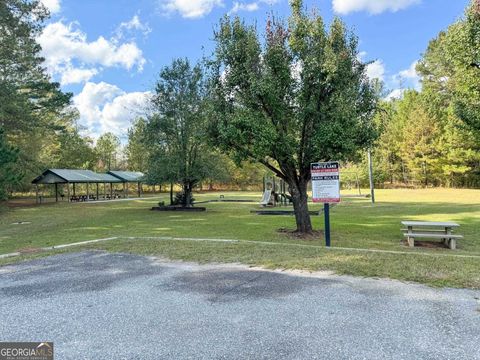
(370, 176)
(326, 189)
(326, 211)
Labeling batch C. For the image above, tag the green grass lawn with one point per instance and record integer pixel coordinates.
(355, 224)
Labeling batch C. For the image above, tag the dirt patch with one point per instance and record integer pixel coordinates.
(29, 250)
(19, 203)
(428, 244)
(294, 234)
(179, 208)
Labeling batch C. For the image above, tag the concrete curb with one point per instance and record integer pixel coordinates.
(333, 248)
(48, 248)
(171, 238)
(78, 243)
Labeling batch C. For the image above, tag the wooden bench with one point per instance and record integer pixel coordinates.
(431, 230)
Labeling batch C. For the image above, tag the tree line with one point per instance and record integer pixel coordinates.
(431, 137)
(38, 125)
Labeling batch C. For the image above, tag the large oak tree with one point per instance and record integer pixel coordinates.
(299, 96)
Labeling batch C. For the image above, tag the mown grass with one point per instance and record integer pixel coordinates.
(355, 224)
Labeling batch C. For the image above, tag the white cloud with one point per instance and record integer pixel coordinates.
(52, 5)
(376, 70)
(134, 24)
(105, 107)
(61, 43)
(190, 9)
(410, 73)
(395, 94)
(67, 50)
(371, 6)
(243, 7)
(119, 113)
(71, 75)
(405, 79)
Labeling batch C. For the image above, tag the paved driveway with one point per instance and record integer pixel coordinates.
(95, 305)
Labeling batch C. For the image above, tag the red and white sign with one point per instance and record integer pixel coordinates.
(326, 182)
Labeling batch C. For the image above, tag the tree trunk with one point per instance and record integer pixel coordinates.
(171, 193)
(300, 205)
(187, 195)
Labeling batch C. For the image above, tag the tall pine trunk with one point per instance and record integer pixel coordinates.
(300, 205)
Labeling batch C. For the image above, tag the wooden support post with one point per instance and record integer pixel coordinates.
(97, 193)
(104, 191)
(139, 191)
(111, 191)
(56, 192)
(36, 193)
(88, 193)
(68, 192)
(73, 189)
(124, 190)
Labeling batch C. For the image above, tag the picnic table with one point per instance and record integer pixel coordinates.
(431, 229)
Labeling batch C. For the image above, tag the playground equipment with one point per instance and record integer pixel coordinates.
(275, 193)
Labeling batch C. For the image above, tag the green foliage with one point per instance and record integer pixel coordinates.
(176, 132)
(29, 99)
(301, 97)
(467, 96)
(107, 148)
(182, 198)
(8, 157)
(451, 67)
(33, 110)
(137, 150)
(74, 151)
(420, 134)
(246, 175)
(432, 137)
(422, 144)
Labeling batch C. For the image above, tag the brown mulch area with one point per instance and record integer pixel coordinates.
(294, 234)
(428, 244)
(16, 203)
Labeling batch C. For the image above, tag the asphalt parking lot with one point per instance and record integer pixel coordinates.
(95, 305)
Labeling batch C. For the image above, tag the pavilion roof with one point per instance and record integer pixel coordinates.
(128, 176)
(52, 176)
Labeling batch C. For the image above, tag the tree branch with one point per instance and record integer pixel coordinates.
(274, 169)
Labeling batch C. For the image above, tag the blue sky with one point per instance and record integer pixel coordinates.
(109, 52)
